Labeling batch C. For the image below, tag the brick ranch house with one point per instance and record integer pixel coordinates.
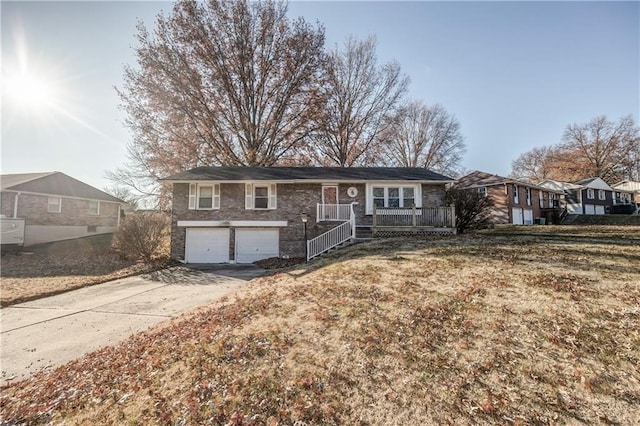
(244, 214)
(56, 207)
(515, 202)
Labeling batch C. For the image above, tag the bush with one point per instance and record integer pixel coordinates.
(143, 236)
(473, 210)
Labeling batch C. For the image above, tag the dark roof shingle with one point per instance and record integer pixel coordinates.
(351, 174)
(54, 183)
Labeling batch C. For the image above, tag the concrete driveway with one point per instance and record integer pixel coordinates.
(48, 332)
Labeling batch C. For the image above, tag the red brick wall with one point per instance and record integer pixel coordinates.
(292, 200)
(74, 212)
(502, 211)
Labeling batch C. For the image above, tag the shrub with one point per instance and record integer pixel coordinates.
(143, 236)
(473, 210)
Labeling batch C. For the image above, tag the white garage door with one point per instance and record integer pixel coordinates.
(599, 209)
(206, 245)
(518, 219)
(589, 209)
(528, 217)
(256, 244)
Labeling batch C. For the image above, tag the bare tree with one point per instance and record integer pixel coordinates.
(360, 94)
(603, 148)
(536, 165)
(473, 210)
(424, 136)
(600, 148)
(220, 83)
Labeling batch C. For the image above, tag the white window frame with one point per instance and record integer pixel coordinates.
(591, 194)
(59, 204)
(482, 190)
(95, 212)
(516, 194)
(527, 192)
(602, 195)
(249, 195)
(194, 196)
(417, 194)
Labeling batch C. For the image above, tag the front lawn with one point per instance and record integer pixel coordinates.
(472, 329)
(52, 268)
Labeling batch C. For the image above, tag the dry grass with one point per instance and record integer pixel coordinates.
(481, 329)
(57, 267)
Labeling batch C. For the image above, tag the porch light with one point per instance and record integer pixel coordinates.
(304, 217)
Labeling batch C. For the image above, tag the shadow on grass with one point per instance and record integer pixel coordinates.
(482, 246)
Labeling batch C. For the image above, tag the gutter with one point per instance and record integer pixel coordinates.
(15, 205)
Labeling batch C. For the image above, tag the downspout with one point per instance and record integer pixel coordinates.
(15, 205)
(118, 223)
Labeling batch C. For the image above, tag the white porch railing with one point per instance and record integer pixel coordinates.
(334, 237)
(414, 217)
(333, 212)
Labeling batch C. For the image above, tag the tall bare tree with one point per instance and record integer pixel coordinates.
(361, 94)
(220, 83)
(600, 147)
(603, 148)
(424, 136)
(536, 165)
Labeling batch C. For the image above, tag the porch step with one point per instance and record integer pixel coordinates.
(364, 232)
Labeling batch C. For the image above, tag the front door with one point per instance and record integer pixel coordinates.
(329, 194)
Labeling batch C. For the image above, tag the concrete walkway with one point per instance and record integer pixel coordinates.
(52, 331)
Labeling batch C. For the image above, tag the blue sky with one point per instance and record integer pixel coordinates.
(515, 74)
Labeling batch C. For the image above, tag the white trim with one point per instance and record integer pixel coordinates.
(417, 193)
(15, 205)
(89, 208)
(49, 205)
(337, 193)
(250, 195)
(234, 223)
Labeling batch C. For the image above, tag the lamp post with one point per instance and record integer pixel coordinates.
(305, 218)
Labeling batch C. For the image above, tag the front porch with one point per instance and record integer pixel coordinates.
(385, 222)
(415, 220)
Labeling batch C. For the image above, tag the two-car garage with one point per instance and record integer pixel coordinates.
(214, 245)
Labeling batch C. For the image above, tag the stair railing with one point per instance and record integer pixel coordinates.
(342, 233)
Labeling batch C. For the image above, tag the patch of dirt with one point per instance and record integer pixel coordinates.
(279, 262)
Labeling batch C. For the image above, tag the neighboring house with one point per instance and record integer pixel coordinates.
(626, 192)
(515, 202)
(244, 214)
(55, 206)
(587, 196)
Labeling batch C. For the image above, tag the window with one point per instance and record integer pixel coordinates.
(516, 195)
(204, 197)
(378, 197)
(394, 197)
(591, 194)
(482, 191)
(408, 197)
(94, 208)
(260, 196)
(602, 195)
(54, 205)
(528, 194)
